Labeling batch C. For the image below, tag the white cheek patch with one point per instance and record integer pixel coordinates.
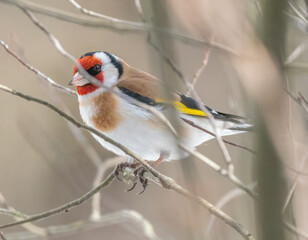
(110, 75)
(110, 72)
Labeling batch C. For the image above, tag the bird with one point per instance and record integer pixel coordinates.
(134, 127)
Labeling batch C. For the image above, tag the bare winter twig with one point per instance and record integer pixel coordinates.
(114, 24)
(36, 71)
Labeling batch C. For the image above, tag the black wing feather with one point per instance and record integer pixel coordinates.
(193, 104)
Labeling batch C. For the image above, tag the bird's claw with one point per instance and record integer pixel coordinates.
(138, 173)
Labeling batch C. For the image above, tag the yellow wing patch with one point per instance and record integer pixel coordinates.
(183, 109)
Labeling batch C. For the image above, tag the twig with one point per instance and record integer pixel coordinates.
(109, 20)
(36, 71)
(229, 196)
(292, 189)
(293, 229)
(296, 53)
(113, 218)
(101, 170)
(221, 171)
(102, 220)
(139, 10)
(65, 207)
(303, 98)
(122, 26)
(202, 67)
(18, 216)
(297, 12)
(296, 171)
(2, 236)
(300, 100)
(104, 21)
(166, 182)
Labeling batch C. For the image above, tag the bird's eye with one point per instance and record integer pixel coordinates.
(97, 68)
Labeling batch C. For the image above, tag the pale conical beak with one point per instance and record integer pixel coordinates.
(78, 80)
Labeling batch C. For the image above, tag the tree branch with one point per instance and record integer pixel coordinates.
(65, 207)
(115, 25)
(166, 182)
(37, 72)
(2, 236)
(118, 217)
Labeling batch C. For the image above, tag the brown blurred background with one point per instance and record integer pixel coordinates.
(43, 165)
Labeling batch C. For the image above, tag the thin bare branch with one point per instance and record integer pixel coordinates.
(28, 226)
(9, 210)
(297, 12)
(110, 21)
(2, 236)
(296, 53)
(221, 171)
(294, 184)
(202, 67)
(116, 25)
(36, 71)
(118, 217)
(139, 10)
(296, 231)
(303, 98)
(103, 220)
(104, 21)
(101, 170)
(166, 182)
(63, 208)
(224, 200)
(296, 171)
(302, 102)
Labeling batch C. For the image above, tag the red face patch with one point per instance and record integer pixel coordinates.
(88, 62)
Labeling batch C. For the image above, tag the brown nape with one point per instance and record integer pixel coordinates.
(140, 82)
(107, 116)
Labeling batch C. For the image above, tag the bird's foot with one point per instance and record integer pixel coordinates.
(123, 168)
(139, 173)
(132, 173)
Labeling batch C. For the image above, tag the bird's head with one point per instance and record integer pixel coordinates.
(103, 66)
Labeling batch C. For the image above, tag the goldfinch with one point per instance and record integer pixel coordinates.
(132, 126)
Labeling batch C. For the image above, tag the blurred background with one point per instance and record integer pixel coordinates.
(46, 162)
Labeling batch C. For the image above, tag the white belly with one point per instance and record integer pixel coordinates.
(143, 134)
